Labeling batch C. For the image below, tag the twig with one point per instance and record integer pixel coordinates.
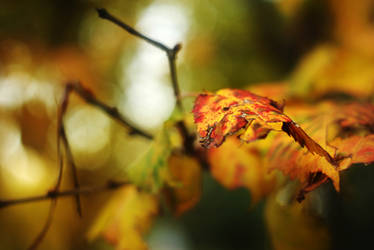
(111, 111)
(171, 53)
(39, 238)
(89, 97)
(51, 195)
(61, 135)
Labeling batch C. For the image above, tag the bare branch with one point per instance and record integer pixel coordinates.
(89, 97)
(111, 185)
(172, 56)
(170, 52)
(103, 13)
(61, 134)
(39, 238)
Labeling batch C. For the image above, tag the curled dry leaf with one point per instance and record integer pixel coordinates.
(126, 218)
(230, 111)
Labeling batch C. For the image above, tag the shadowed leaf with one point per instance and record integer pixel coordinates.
(236, 164)
(184, 186)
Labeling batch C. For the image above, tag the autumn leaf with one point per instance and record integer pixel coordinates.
(183, 188)
(346, 131)
(293, 161)
(126, 218)
(236, 164)
(231, 111)
(150, 171)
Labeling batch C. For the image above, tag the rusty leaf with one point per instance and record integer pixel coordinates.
(231, 111)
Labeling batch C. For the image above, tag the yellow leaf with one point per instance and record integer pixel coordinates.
(126, 218)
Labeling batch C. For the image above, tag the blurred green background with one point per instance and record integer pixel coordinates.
(44, 44)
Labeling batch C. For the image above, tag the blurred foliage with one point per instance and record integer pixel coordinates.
(322, 48)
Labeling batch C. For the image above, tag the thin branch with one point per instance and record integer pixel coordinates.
(39, 238)
(89, 97)
(172, 55)
(170, 52)
(111, 185)
(103, 13)
(61, 135)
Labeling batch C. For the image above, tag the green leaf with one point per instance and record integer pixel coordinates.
(150, 170)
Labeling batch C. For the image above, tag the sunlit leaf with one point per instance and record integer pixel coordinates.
(126, 218)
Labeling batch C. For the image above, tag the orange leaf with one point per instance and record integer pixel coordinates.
(310, 170)
(347, 132)
(235, 165)
(231, 110)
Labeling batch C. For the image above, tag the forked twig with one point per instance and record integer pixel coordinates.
(60, 134)
(61, 137)
(89, 97)
(172, 56)
(170, 52)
